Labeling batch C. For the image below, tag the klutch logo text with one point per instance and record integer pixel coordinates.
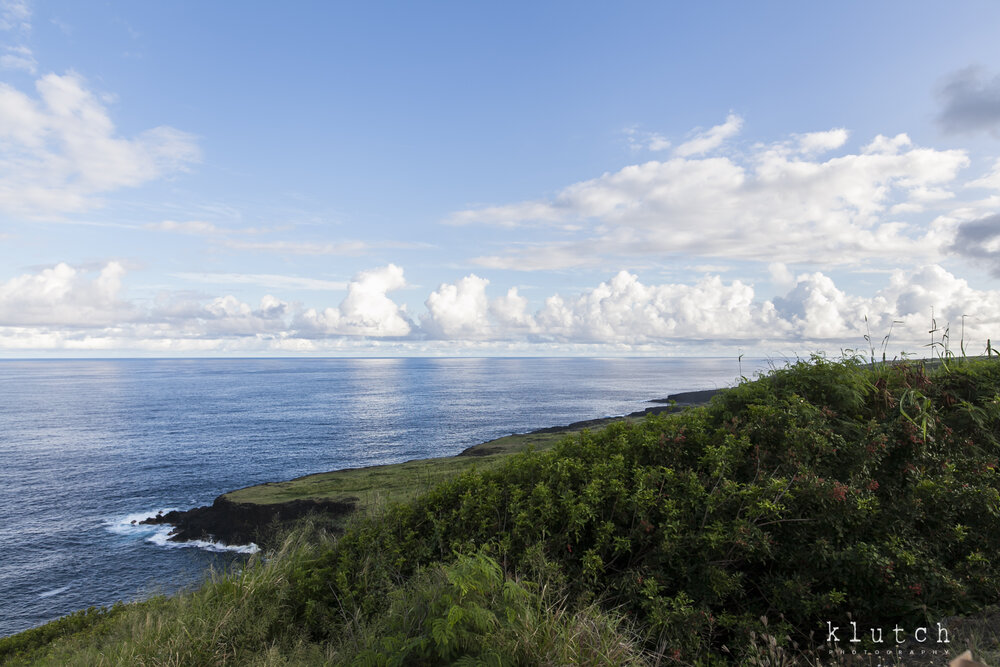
(920, 635)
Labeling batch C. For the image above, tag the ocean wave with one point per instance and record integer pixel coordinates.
(57, 591)
(132, 524)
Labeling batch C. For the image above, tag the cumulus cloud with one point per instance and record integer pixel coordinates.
(778, 202)
(72, 308)
(814, 310)
(624, 312)
(60, 149)
(970, 100)
(511, 313)
(458, 310)
(462, 311)
(367, 310)
(68, 304)
(817, 310)
(65, 296)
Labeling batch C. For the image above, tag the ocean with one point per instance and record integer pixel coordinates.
(88, 446)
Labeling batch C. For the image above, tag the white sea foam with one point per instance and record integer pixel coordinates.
(131, 524)
(161, 538)
(57, 591)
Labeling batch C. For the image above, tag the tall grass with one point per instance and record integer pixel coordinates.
(235, 618)
(470, 609)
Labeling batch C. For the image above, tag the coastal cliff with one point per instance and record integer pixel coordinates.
(244, 523)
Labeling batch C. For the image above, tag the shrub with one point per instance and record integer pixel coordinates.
(821, 490)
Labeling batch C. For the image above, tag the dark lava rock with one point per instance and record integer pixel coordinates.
(689, 397)
(242, 523)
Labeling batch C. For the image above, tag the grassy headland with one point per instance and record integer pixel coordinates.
(824, 493)
(376, 486)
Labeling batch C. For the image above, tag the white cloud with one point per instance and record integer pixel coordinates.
(64, 296)
(59, 150)
(228, 315)
(817, 310)
(19, 57)
(989, 181)
(815, 143)
(814, 311)
(462, 311)
(658, 143)
(67, 308)
(511, 215)
(627, 314)
(459, 310)
(623, 310)
(711, 139)
(511, 313)
(781, 277)
(367, 310)
(15, 15)
(778, 203)
(651, 141)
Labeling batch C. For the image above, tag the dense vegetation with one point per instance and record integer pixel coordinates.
(824, 491)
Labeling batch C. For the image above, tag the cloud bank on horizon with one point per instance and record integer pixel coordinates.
(72, 310)
(123, 234)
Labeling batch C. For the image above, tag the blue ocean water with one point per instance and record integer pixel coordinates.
(86, 446)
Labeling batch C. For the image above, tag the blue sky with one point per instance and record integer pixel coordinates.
(463, 178)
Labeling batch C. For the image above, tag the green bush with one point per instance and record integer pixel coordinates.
(821, 490)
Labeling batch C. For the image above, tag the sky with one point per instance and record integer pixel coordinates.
(182, 178)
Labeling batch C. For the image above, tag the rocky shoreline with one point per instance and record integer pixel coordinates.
(231, 523)
(234, 524)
